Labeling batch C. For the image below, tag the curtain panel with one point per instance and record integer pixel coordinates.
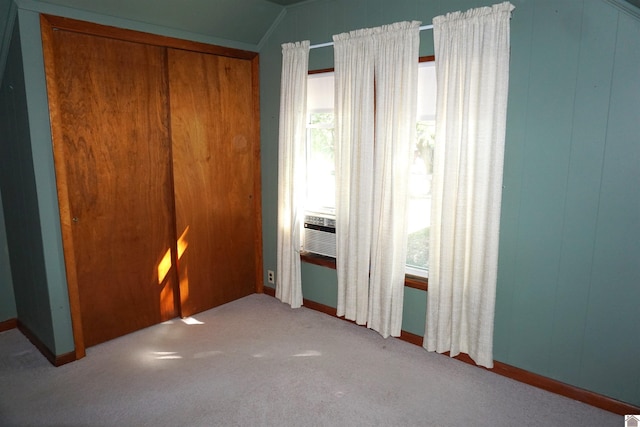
(472, 69)
(354, 132)
(291, 170)
(396, 78)
(376, 72)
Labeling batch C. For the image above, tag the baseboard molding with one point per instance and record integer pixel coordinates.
(517, 374)
(52, 358)
(8, 324)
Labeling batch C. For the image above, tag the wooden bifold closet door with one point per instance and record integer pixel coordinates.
(212, 128)
(115, 139)
(155, 151)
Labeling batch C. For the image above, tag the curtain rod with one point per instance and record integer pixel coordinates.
(316, 46)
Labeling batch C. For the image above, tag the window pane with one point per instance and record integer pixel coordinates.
(320, 92)
(321, 192)
(420, 199)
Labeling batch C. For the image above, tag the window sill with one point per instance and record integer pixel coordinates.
(410, 281)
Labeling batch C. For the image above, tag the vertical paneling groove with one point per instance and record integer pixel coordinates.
(590, 110)
(612, 338)
(552, 81)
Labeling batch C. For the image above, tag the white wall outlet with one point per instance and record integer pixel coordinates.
(271, 276)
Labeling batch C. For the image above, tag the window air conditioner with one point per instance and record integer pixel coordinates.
(320, 234)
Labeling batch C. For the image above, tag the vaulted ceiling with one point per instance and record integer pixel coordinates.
(243, 21)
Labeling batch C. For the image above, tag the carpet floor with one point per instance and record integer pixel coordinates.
(256, 362)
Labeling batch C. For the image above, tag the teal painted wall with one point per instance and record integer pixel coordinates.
(570, 232)
(7, 297)
(20, 201)
(7, 17)
(568, 285)
(53, 284)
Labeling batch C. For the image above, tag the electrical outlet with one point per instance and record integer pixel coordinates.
(271, 276)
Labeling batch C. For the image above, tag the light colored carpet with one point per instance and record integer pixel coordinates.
(256, 362)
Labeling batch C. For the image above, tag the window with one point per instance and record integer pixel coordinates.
(321, 160)
(421, 172)
(321, 177)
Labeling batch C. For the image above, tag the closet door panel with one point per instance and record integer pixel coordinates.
(212, 131)
(112, 107)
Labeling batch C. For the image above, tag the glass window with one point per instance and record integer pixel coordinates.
(321, 176)
(419, 220)
(321, 160)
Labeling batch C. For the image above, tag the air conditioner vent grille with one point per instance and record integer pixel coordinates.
(320, 235)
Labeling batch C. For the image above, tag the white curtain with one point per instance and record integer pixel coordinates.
(291, 170)
(396, 75)
(472, 71)
(354, 130)
(372, 162)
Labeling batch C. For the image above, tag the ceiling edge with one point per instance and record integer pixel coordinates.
(626, 7)
(302, 3)
(5, 38)
(272, 28)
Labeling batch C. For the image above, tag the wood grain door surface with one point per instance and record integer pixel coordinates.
(112, 106)
(212, 133)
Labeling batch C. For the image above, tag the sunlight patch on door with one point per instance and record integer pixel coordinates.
(166, 262)
(164, 266)
(183, 243)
